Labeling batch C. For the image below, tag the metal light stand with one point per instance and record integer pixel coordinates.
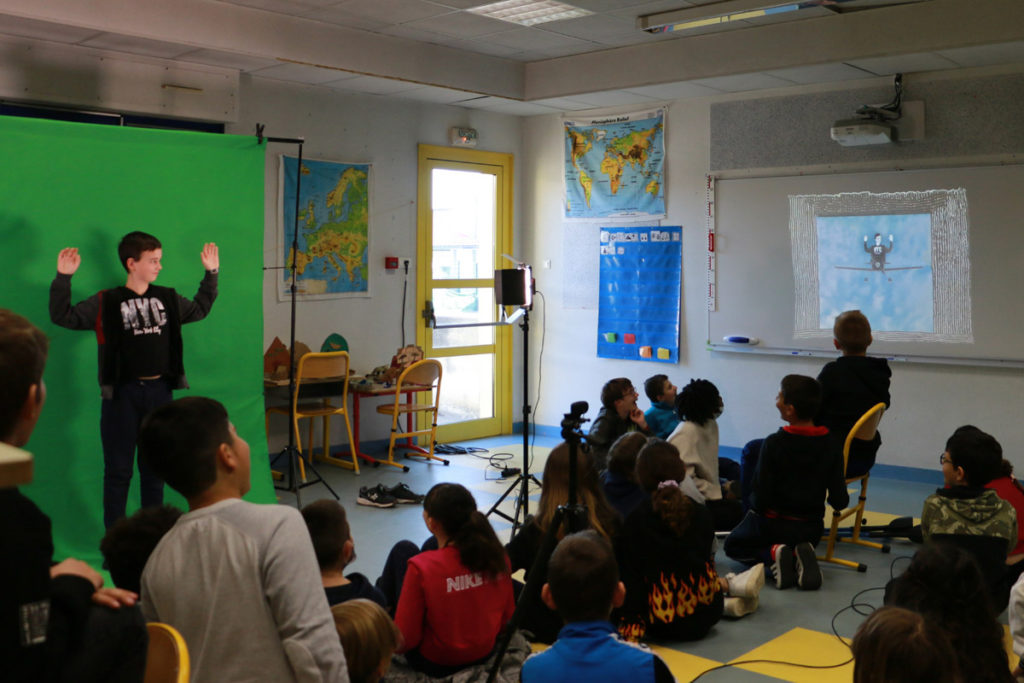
(523, 480)
(573, 515)
(291, 483)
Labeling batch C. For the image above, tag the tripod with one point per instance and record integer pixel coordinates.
(523, 480)
(291, 478)
(573, 515)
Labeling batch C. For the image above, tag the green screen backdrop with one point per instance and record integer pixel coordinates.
(82, 185)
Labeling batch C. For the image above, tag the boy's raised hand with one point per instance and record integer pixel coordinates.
(209, 256)
(638, 418)
(68, 261)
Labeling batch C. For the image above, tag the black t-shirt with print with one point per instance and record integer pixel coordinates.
(145, 346)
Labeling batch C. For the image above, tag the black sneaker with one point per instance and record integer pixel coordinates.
(376, 496)
(403, 494)
(808, 573)
(783, 567)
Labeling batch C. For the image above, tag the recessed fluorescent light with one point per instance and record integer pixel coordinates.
(529, 12)
(727, 11)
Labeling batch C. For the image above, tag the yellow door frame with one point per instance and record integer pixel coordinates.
(501, 166)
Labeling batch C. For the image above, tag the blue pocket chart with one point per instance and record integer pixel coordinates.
(638, 306)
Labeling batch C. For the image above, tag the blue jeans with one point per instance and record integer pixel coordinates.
(120, 419)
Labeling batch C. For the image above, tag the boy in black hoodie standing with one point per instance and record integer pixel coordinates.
(850, 385)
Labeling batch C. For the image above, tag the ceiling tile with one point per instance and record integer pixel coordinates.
(530, 39)
(227, 60)
(743, 82)
(411, 32)
(485, 47)
(292, 7)
(136, 46)
(675, 91)
(393, 11)
(820, 73)
(44, 30)
(280, 6)
(459, 4)
(431, 93)
(891, 64)
(522, 109)
(461, 25)
(481, 102)
(300, 73)
(564, 103)
(592, 26)
(613, 5)
(614, 98)
(373, 85)
(341, 17)
(986, 55)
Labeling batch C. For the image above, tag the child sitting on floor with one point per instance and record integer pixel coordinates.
(368, 637)
(454, 600)
(795, 469)
(536, 617)
(335, 550)
(583, 586)
(661, 416)
(619, 481)
(128, 544)
(898, 645)
(667, 541)
(696, 437)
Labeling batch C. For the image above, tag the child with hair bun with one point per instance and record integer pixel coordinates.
(368, 637)
(666, 560)
(454, 600)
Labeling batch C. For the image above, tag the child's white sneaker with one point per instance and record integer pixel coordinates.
(739, 607)
(748, 584)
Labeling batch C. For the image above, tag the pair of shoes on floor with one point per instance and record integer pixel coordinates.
(742, 598)
(380, 496)
(796, 566)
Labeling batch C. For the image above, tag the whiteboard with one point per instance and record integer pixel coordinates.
(755, 290)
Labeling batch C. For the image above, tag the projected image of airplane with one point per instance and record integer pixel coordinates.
(878, 252)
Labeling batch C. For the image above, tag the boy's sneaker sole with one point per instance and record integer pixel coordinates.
(808, 573)
(783, 567)
(739, 607)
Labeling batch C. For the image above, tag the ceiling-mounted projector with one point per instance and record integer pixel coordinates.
(856, 132)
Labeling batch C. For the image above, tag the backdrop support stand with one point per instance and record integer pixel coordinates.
(291, 475)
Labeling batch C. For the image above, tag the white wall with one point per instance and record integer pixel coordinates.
(928, 402)
(358, 129)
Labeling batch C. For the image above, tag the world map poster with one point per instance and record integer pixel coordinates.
(333, 228)
(615, 166)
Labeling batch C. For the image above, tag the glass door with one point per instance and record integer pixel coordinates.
(465, 225)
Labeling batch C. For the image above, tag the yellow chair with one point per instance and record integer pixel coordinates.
(166, 656)
(864, 429)
(424, 373)
(312, 367)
